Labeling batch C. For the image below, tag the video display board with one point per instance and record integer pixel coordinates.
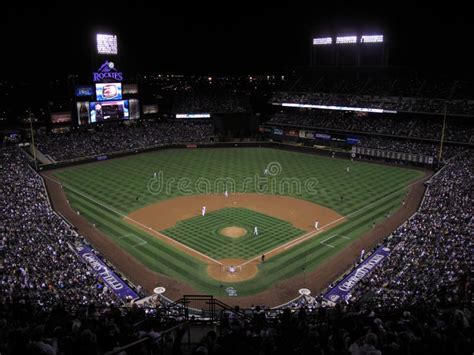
(109, 110)
(108, 91)
(107, 44)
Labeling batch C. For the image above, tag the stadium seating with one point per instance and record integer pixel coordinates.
(121, 138)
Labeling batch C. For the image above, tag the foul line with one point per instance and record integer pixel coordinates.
(141, 224)
(311, 234)
(136, 236)
(334, 236)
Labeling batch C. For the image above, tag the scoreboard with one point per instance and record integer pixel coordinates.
(107, 44)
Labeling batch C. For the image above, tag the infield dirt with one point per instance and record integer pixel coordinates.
(300, 213)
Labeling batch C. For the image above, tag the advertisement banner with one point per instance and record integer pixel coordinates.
(322, 136)
(61, 117)
(342, 290)
(110, 278)
(134, 109)
(302, 133)
(83, 113)
(351, 140)
(84, 90)
(277, 131)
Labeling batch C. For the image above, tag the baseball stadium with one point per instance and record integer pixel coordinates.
(324, 208)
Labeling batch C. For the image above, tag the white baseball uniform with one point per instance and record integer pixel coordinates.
(203, 211)
(255, 231)
(316, 225)
(226, 194)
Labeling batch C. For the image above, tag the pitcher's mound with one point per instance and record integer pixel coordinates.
(233, 232)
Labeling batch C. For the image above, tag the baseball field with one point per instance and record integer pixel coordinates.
(306, 208)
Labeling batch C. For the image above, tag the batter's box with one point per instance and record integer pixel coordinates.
(325, 241)
(133, 237)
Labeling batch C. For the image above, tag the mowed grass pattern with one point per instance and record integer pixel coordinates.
(202, 233)
(104, 192)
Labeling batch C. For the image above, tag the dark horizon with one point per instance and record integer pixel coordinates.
(51, 42)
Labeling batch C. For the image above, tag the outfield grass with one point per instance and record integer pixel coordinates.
(106, 191)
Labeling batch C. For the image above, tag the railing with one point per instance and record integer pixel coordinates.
(146, 340)
(205, 307)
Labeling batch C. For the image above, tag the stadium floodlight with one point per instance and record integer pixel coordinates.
(322, 41)
(193, 115)
(337, 108)
(371, 39)
(107, 44)
(346, 39)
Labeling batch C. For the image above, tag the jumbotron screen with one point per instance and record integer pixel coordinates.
(109, 110)
(108, 91)
(107, 44)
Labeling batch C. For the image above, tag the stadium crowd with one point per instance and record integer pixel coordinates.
(457, 130)
(400, 104)
(409, 146)
(211, 101)
(37, 261)
(431, 257)
(344, 330)
(120, 138)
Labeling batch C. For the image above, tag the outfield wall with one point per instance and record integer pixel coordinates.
(274, 145)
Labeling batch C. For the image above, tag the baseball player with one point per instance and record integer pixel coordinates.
(255, 231)
(265, 172)
(154, 174)
(203, 211)
(316, 225)
(347, 169)
(226, 194)
(362, 252)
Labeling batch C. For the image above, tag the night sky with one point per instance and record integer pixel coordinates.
(234, 37)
